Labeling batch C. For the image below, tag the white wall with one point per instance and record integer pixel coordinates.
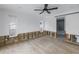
(72, 23)
(24, 22)
(31, 22)
(50, 23)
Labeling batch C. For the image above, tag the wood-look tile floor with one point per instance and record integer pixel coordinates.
(43, 45)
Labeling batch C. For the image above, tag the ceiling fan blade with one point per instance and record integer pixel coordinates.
(41, 12)
(48, 12)
(45, 6)
(53, 8)
(37, 10)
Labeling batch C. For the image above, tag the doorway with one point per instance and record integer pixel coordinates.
(60, 27)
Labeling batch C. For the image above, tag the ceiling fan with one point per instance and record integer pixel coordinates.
(46, 9)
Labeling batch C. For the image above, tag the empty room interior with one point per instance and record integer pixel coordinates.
(39, 28)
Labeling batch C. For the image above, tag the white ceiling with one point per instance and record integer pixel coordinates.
(29, 8)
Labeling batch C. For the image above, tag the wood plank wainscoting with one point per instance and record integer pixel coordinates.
(6, 40)
(70, 38)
